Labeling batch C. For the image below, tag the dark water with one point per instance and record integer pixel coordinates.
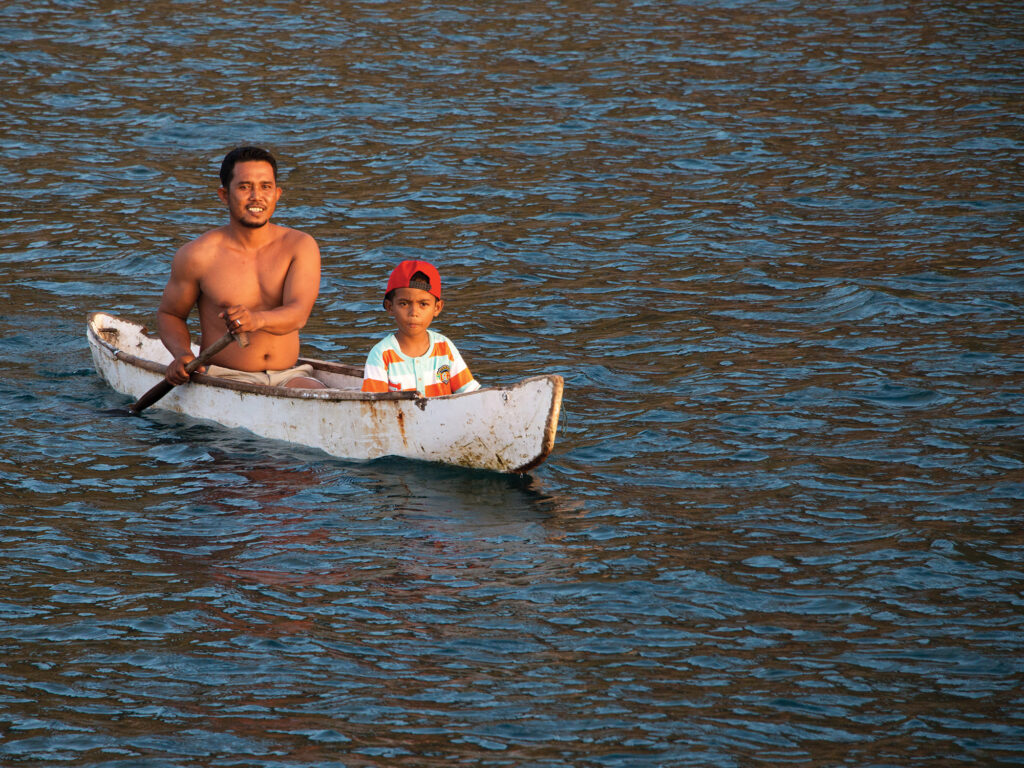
(774, 247)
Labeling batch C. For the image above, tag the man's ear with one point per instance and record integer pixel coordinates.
(438, 307)
(222, 194)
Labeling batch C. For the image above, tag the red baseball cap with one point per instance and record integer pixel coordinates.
(401, 277)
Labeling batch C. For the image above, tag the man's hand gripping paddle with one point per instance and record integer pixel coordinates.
(165, 386)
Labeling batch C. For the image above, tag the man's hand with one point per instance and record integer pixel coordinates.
(239, 319)
(176, 373)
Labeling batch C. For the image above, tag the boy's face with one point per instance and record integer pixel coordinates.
(413, 309)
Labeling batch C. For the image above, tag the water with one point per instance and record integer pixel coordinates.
(775, 249)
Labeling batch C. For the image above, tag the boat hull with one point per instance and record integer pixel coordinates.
(506, 429)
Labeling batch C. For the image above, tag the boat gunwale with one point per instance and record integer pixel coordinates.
(328, 394)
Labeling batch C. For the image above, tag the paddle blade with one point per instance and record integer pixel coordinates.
(151, 397)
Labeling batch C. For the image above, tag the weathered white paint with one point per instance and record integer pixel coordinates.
(509, 429)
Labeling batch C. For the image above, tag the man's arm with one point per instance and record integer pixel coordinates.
(301, 287)
(179, 297)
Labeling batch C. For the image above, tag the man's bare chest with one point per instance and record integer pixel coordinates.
(251, 281)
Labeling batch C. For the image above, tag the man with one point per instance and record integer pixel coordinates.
(248, 276)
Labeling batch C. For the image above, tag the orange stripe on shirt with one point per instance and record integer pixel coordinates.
(390, 356)
(436, 390)
(462, 379)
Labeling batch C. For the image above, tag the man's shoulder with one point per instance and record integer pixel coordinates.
(210, 239)
(292, 234)
(295, 243)
(200, 250)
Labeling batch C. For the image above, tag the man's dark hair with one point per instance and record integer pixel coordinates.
(244, 155)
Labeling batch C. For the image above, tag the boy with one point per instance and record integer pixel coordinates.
(415, 357)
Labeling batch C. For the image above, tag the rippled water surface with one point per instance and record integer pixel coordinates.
(775, 249)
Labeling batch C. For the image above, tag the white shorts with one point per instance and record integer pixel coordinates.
(271, 378)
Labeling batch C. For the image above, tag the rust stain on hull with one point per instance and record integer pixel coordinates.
(400, 418)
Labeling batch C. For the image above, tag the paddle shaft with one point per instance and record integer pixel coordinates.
(165, 386)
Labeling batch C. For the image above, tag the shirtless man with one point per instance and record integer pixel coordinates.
(249, 275)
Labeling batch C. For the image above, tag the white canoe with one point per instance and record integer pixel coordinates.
(508, 429)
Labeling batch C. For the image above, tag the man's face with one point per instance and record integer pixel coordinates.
(252, 195)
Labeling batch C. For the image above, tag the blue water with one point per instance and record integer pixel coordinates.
(775, 249)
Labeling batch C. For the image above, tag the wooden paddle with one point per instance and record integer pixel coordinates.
(165, 386)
